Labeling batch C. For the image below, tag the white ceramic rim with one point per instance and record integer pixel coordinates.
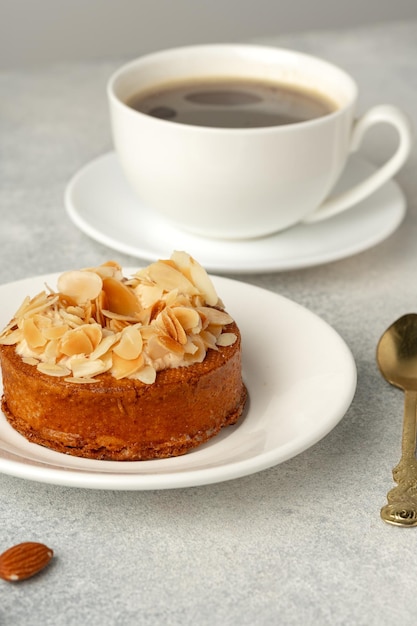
(301, 380)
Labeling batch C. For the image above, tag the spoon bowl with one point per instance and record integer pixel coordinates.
(397, 353)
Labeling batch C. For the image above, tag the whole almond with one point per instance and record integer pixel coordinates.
(24, 560)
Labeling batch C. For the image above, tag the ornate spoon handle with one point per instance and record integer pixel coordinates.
(401, 509)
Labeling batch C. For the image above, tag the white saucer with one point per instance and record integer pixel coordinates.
(301, 379)
(100, 202)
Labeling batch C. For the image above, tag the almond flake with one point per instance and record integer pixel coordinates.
(169, 278)
(120, 298)
(214, 316)
(104, 346)
(170, 344)
(119, 317)
(188, 318)
(83, 367)
(13, 337)
(180, 334)
(200, 352)
(130, 344)
(29, 360)
(94, 333)
(148, 294)
(226, 339)
(203, 283)
(54, 332)
(32, 334)
(123, 368)
(209, 339)
(76, 341)
(80, 285)
(52, 369)
(37, 306)
(146, 375)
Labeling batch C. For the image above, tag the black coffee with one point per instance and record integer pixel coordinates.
(231, 103)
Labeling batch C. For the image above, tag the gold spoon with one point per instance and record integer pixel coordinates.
(397, 361)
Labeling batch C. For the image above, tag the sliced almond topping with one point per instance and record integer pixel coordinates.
(167, 277)
(163, 316)
(166, 324)
(79, 311)
(169, 324)
(94, 333)
(199, 353)
(20, 311)
(75, 341)
(155, 349)
(170, 344)
(32, 334)
(119, 317)
(214, 316)
(116, 326)
(171, 297)
(110, 269)
(98, 306)
(122, 368)
(148, 294)
(51, 351)
(12, 325)
(52, 369)
(41, 321)
(37, 305)
(197, 275)
(146, 375)
(198, 301)
(83, 367)
(181, 259)
(188, 318)
(130, 344)
(209, 339)
(180, 334)
(226, 339)
(120, 298)
(156, 309)
(215, 329)
(80, 285)
(72, 320)
(190, 347)
(104, 346)
(30, 360)
(13, 337)
(203, 283)
(54, 332)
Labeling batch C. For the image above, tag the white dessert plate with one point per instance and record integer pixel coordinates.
(301, 379)
(100, 202)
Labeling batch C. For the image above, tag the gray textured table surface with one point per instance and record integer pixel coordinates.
(300, 543)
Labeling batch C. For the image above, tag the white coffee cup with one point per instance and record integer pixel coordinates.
(241, 183)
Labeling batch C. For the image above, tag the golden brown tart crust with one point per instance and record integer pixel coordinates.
(126, 420)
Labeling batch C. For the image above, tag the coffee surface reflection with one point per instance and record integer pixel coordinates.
(231, 103)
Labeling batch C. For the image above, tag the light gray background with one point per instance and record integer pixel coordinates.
(34, 32)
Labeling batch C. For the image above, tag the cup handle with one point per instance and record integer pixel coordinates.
(378, 114)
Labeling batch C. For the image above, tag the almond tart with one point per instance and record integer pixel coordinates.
(123, 368)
